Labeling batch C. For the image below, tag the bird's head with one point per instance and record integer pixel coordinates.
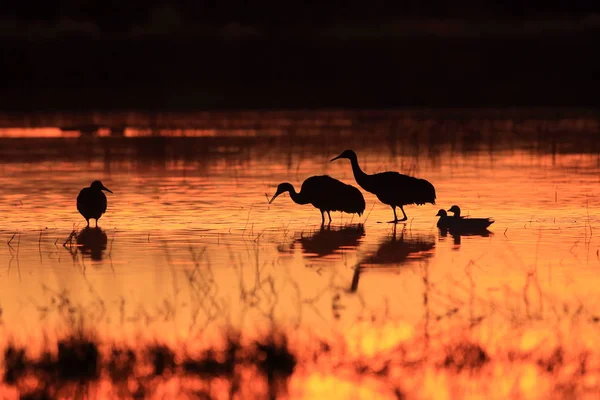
(97, 185)
(349, 154)
(282, 188)
(454, 209)
(441, 213)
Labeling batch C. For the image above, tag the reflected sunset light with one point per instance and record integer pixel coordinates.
(190, 249)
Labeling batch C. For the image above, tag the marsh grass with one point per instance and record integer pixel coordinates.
(77, 363)
(533, 357)
(467, 343)
(270, 367)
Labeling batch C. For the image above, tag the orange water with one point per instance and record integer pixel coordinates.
(192, 246)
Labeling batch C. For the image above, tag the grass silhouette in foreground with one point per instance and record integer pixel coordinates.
(78, 363)
(79, 367)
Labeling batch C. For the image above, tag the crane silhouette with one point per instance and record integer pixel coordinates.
(392, 188)
(91, 202)
(326, 194)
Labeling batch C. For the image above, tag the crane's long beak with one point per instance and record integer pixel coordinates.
(273, 198)
(107, 189)
(335, 158)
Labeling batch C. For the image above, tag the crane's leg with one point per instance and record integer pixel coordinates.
(329, 216)
(88, 222)
(395, 216)
(403, 213)
(322, 218)
(96, 222)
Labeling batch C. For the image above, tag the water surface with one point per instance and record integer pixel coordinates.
(190, 246)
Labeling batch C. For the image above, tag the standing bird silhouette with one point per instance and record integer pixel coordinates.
(392, 188)
(91, 202)
(326, 194)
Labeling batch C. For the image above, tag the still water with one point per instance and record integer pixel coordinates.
(189, 247)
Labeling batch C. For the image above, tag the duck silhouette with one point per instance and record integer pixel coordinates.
(445, 221)
(459, 223)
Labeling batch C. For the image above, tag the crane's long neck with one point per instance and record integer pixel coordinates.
(361, 178)
(298, 198)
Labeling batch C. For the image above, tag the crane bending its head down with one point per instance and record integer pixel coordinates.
(326, 194)
(282, 188)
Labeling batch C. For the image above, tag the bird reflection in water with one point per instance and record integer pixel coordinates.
(92, 242)
(458, 234)
(397, 249)
(402, 249)
(328, 240)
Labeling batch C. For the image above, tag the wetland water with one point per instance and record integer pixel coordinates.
(189, 248)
